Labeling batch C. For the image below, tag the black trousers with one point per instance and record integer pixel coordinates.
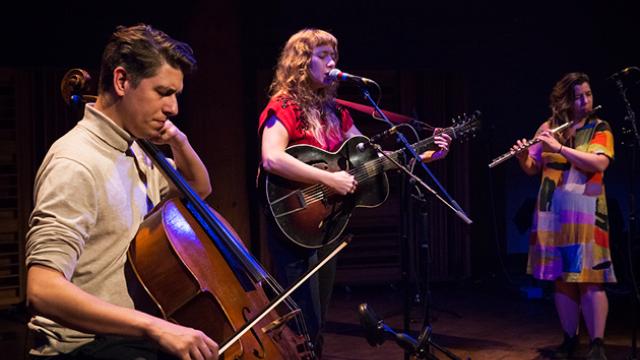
(113, 347)
(289, 263)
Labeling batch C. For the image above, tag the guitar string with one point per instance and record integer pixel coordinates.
(316, 192)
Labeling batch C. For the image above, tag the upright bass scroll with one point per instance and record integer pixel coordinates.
(511, 153)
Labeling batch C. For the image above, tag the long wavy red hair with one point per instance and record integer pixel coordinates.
(292, 80)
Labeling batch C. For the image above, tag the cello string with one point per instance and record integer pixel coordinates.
(282, 297)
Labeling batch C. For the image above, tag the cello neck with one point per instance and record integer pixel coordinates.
(236, 254)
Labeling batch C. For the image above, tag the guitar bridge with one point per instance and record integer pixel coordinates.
(302, 204)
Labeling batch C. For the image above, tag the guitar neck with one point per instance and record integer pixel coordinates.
(375, 167)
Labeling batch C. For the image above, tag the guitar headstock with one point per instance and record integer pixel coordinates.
(466, 125)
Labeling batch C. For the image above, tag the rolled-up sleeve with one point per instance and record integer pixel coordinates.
(63, 216)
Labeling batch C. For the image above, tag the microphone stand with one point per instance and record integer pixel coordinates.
(377, 332)
(424, 342)
(633, 145)
(450, 202)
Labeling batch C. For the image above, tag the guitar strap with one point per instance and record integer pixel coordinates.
(393, 117)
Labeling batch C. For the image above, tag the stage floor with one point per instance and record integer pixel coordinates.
(472, 319)
(481, 320)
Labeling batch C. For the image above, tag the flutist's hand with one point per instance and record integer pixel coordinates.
(519, 149)
(552, 143)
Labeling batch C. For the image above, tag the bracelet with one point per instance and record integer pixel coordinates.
(560, 150)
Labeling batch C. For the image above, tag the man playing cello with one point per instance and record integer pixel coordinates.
(92, 191)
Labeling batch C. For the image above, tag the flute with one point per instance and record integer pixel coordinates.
(511, 153)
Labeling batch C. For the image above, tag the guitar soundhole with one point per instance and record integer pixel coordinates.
(343, 163)
(321, 165)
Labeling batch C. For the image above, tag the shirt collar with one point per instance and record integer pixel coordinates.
(105, 129)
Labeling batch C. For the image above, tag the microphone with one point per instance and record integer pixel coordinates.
(376, 332)
(337, 75)
(623, 72)
(390, 131)
(372, 325)
(375, 138)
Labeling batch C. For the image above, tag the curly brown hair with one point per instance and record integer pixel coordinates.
(293, 81)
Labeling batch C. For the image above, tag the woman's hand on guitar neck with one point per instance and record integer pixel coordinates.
(443, 140)
(341, 182)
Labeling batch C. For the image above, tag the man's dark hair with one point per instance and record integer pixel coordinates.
(141, 50)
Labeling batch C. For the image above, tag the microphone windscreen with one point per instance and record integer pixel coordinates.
(370, 324)
(334, 74)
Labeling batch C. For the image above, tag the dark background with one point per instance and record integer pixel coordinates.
(505, 59)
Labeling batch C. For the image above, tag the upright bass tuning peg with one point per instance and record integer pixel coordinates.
(74, 85)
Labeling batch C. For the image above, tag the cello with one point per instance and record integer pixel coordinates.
(196, 272)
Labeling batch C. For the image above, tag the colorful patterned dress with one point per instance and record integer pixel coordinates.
(570, 231)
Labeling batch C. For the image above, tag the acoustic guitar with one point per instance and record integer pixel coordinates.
(314, 216)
